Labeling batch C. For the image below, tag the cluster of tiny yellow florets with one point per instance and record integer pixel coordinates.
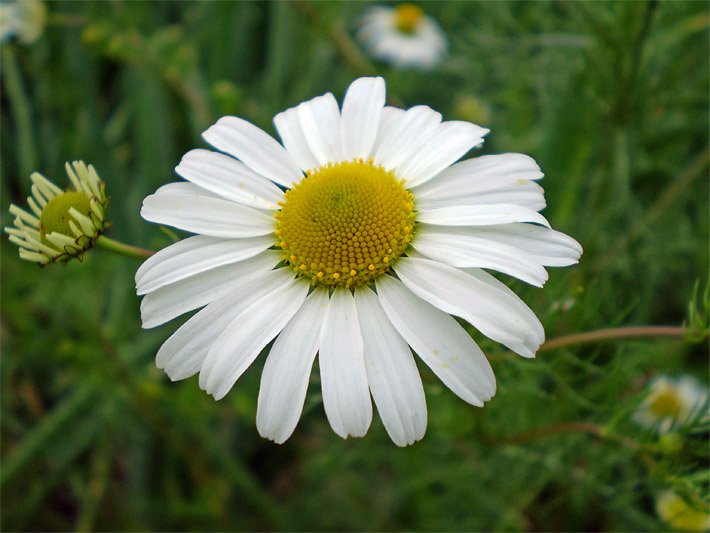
(346, 223)
(407, 17)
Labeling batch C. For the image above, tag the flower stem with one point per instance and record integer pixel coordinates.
(66, 19)
(569, 427)
(615, 333)
(21, 109)
(121, 248)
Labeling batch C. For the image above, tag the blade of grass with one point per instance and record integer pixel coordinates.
(22, 111)
(41, 435)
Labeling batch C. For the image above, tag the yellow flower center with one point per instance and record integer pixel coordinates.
(344, 224)
(55, 215)
(679, 514)
(407, 17)
(666, 404)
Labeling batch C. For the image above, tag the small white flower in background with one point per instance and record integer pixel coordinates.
(671, 402)
(680, 515)
(403, 36)
(62, 225)
(24, 19)
(356, 239)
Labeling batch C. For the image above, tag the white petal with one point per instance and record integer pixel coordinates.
(464, 249)
(479, 215)
(288, 124)
(256, 148)
(439, 340)
(525, 193)
(320, 123)
(205, 215)
(448, 144)
(480, 175)
(360, 119)
(186, 188)
(170, 301)
(284, 381)
(549, 247)
(194, 255)
(390, 122)
(229, 178)
(182, 354)
(407, 132)
(346, 397)
(242, 340)
(391, 373)
(476, 297)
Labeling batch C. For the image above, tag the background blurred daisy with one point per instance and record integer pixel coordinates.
(24, 19)
(374, 177)
(680, 515)
(671, 401)
(403, 36)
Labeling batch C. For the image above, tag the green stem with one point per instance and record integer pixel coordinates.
(121, 248)
(572, 427)
(615, 333)
(21, 109)
(67, 20)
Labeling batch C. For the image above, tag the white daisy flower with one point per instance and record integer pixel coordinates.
(670, 402)
(24, 19)
(355, 239)
(680, 515)
(403, 36)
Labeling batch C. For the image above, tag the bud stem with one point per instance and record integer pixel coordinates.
(121, 248)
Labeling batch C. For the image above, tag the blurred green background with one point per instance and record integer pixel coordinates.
(611, 99)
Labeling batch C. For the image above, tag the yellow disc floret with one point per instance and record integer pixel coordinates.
(407, 17)
(666, 403)
(55, 215)
(344, 224)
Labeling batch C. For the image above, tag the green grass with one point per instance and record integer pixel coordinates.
(611, 99)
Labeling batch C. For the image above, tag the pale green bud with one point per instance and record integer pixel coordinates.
(60, 225)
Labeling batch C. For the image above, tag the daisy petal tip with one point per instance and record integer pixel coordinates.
(476, 402)
(172, 375)
(218, 393)
(354, 432)
(270, 430)
(400, 443)
(276, 439)
(149, 324)
(529, 353)
(188, 156)
(487, 394)
(379, 81)
(409, 440)
(540, 282)
(206, 135)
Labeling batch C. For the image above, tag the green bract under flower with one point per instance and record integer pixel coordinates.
(62, 225)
